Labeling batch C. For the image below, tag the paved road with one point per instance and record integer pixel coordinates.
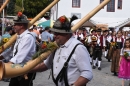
(101, 78)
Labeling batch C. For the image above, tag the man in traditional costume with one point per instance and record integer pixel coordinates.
(70, 63)
(90, 43)
(23, 50)
(97, 51)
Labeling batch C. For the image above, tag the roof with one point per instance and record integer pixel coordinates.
(87, 23)
(111, 22)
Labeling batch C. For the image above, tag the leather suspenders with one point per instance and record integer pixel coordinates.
(63, 73)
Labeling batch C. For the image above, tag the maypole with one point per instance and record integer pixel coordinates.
(13, 38)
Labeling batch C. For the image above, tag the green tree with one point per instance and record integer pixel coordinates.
(32, 7)
(11, 7)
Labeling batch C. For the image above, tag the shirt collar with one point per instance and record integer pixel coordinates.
(68, 42)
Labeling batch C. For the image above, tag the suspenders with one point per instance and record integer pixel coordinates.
(18, 44)
(63, 73)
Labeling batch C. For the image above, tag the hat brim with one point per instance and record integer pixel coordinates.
(60, 31)
(98, 31)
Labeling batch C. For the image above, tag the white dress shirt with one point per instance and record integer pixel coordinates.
(79, 64)
(26, 48)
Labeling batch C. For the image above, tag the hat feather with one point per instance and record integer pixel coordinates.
(74, 17)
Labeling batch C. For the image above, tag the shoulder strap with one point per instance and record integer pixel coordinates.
(30, 34)
(18, 44)
(63, 73)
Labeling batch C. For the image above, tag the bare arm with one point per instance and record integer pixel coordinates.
(40, 68)
(81, 81)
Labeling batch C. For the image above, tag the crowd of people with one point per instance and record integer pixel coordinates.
(69, 66)
(109, 44)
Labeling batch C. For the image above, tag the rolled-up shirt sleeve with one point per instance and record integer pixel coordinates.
(48, 61)
(82, 59)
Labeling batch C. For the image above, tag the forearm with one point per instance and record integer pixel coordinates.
(81, 81)
(39, 68)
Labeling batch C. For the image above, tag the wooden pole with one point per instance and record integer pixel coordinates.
(89, 15)
(4, 5)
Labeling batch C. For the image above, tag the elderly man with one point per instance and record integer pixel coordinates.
(23, 50)
(70, 63)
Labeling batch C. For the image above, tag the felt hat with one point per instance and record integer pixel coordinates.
(99, 30)
(20, 18)
(63, 25)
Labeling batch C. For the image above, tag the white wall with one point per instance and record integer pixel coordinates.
(65, 8)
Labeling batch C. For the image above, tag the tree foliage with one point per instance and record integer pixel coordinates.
(32, 7)
(11, 7)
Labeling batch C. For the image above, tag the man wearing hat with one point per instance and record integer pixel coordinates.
(90, 43)
(97, 53)
(71, 61)
(23, 50)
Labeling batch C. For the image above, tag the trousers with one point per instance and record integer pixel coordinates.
(21, 81)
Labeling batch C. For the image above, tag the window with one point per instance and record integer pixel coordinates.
(119, 5)
(111, 6)
(75, 3)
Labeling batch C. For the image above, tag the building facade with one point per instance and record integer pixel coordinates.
(115, 12)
